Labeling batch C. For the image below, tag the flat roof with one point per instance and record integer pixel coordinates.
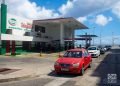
(68, 22)
(85, 38)
(87, 35)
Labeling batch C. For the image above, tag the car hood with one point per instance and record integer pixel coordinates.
(92, 51)
(69, 60)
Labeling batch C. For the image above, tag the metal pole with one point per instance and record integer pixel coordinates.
(100, 37)
(86, 40)
(93, 34)
(112, 38)
(40, 49)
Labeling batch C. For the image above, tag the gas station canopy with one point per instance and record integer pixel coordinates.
(69, 22)
(87, 36)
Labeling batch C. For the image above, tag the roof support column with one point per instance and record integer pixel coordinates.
(73, 41)
(62, 34)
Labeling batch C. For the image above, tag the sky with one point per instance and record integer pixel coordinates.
(101, 16)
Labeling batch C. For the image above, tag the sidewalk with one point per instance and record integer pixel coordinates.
(26, 66)
(51, 56)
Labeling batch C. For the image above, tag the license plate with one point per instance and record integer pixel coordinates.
(64, 69)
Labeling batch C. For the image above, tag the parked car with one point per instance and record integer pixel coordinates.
(74, 61)
(94, 51)
(108, 47)
(102, 49)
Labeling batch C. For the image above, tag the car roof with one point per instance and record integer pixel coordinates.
(77, 49)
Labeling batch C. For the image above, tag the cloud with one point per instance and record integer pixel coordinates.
(116, 9)
(102, 20)
(77, 8)
(82, 19)
(73, 8)
(27, 9)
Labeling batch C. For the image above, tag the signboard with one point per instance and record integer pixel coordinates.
(18, 25)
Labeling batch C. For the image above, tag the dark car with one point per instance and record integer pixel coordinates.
(102, 50)
(108, 47)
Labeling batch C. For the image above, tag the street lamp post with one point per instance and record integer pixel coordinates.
(100, 37)
(112, 38)
(93, 34)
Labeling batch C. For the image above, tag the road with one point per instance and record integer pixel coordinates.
(102, 69)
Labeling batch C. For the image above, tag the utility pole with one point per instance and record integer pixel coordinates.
(100, 38)
(113, 38)
(86, 40)
(93, 34)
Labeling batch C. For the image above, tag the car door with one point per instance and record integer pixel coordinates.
(98, 51)
(88, 57)
(85, 59)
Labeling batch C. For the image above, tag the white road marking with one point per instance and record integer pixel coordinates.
(57, 82)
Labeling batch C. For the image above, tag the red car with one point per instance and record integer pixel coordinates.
(74, 61)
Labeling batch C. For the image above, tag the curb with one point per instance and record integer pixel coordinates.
(18, 78)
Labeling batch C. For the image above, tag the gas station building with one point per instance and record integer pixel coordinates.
(20, 34)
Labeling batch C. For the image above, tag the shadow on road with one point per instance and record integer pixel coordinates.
(64, 75)
(108, 70)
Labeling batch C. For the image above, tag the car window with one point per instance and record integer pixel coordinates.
(92, 48)
(85, 53)
(74, 54)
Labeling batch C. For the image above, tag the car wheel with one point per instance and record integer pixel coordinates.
(90, 65)
(82, 71)
(57, 73)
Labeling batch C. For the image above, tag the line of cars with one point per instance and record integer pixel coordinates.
(96, 51)
(76, 61)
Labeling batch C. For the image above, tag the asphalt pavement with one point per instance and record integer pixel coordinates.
(105, 71)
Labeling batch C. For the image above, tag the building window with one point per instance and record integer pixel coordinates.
(39, 29)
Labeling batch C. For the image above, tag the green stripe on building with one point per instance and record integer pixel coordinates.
(3, 26)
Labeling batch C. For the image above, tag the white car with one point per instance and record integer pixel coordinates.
(94, 51)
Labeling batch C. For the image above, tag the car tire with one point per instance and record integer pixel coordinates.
(57, 73)
(82, 71)
(90, 65)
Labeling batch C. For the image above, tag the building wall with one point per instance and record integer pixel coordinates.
(68, 32)
(53, 32)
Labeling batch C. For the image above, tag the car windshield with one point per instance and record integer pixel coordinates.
(73, 54)
(92, 48)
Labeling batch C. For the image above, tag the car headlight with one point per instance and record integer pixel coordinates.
(57, 64)
(76, 65)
